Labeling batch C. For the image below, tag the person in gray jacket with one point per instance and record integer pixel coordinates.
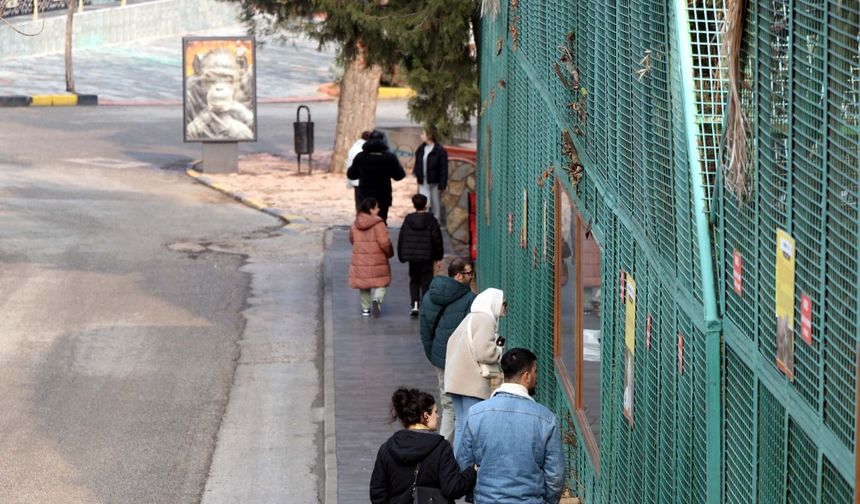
(446, 303)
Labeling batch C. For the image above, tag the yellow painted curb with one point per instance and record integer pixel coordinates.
(390, 93)
(384, 93)
(260, 204)
(69, 100)
(42, 101)
(54, 100)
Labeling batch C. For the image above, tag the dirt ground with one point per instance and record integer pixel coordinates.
(321, 197)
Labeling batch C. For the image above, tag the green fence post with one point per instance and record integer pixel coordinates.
(706, 264)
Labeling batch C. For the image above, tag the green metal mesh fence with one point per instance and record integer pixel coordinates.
(801, 58)
(608, 75)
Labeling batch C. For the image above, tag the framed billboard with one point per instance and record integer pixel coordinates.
(219, 89)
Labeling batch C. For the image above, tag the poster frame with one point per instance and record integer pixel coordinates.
(218, 38)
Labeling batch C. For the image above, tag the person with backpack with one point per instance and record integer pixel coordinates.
(416, 460)
(420, 244)
(473, 354)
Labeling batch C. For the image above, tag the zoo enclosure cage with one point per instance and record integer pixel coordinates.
(625, 103)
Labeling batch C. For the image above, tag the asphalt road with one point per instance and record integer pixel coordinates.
(127, 295)
(117, 353)
(134, 136)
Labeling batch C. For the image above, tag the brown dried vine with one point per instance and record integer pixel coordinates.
(569, 77)
(569, 432)
(735, 168)
(645, 65)
(514, 24)
(515, 33)
(574, 166)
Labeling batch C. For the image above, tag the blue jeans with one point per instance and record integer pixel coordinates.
(461, 408)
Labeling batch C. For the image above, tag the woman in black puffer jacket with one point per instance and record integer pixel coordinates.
(394, 472)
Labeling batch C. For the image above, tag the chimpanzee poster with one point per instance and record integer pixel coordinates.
(220, 89)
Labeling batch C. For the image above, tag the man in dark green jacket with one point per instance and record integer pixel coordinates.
(445, 305)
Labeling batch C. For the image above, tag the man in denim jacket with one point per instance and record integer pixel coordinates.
(514, 441)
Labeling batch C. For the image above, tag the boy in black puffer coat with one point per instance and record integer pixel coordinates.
(420, 244)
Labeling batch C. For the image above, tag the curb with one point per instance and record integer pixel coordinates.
(329, 427)
(49, 100)
(292, 221)
(68, 100)
(332, 89)
(266, 101)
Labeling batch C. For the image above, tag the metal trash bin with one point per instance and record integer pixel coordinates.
(303, 136)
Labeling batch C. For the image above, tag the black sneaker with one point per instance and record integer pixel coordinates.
(365, 312)
(414, 311)
(374, 309)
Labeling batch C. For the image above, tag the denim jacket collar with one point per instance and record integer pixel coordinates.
(514, 389)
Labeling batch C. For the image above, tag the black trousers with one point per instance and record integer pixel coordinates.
(420, 274)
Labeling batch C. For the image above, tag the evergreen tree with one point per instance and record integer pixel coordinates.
(429, 40)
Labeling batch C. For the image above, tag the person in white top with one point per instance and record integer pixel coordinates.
(473, 354)
(350, 156)
(431, 170)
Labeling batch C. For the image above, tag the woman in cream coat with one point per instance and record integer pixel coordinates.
(473, 354)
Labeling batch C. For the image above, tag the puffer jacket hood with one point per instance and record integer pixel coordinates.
(445, 290)
(490, 302)
(366, 221)
(374, 146)
(408, 447)
(374, 168)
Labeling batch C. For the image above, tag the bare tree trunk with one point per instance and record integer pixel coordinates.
(70, 16)
(356, 108)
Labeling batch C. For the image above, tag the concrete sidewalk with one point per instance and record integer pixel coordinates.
(370, 358)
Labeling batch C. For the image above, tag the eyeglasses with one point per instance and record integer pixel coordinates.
(464, 272)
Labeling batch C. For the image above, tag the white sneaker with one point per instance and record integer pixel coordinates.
(365, 312)
(414, 311)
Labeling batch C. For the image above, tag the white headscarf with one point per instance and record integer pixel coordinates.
(489, 302)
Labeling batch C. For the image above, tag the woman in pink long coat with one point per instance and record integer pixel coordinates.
(369, 270)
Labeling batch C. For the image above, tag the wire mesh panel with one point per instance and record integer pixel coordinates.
(592, 92)
(834, 488)
(771, 448)
(802, 60)
(801, 465)
(808, 146)
(670, 490)
(773, 87)
(740, 416)
(706, 27)
(843, 176)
